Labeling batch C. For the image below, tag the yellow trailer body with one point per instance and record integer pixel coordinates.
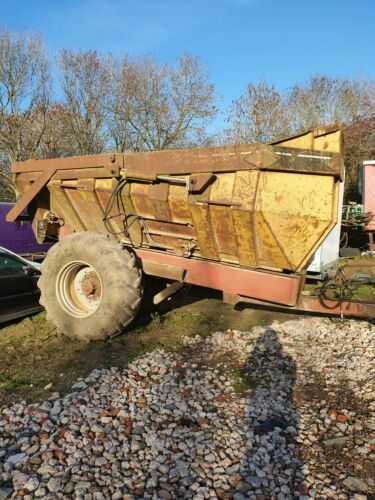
(257, 206)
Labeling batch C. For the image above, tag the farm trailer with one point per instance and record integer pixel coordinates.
(247, 220)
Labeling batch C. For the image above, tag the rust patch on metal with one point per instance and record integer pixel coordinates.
(158, 194)
(115, 218)
(141, 201)
(30, 194)
(148, 166)
(179, 205)
(88, 208)
(61, 205)
(223, 229)
(174, 230)
(72, 162)
(133, 224)
(202, 223)
(95, 173)
(198, 182)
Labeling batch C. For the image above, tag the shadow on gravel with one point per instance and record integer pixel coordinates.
(272, 460)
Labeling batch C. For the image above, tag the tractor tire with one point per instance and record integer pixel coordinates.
(91, 287)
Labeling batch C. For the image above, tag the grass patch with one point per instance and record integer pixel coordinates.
(365, 292)
(33, 355)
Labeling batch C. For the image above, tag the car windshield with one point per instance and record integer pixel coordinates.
(22, 260)
(10, 263)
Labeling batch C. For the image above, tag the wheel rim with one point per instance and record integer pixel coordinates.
(79, 289)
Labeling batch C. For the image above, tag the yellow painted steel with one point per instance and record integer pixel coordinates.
(256, 217)
(200, 213)
(243, 215)
(298, 211)
(61, 205)
(221, 219)
(324, 139)
(179, 205)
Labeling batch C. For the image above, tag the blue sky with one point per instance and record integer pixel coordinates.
(240, 41)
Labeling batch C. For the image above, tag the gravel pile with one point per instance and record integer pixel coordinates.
(281, 412)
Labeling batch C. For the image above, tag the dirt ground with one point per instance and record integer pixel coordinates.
(36, 360)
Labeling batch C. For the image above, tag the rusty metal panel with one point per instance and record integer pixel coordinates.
(243, 225)
(87, 206)
(140, 199)
(103, 189)
(244, 194)
(200, 213)
(176, 230)
(222, 189)
(311, 162)
(179, 204)
(148, 166)
(135, 234)
(158, 194)
(111, 161)
(29, 194)
(224, 233)
(200, 160)
(221, 219)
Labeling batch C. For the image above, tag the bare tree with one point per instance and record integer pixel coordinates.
(24, 88)
(86, 78)
(323, 100)
(258, 115)
(368, 88)
(7, 188)
(359, 140)
(158, 106)
(122, 105)
(58, 139)
(263, 113)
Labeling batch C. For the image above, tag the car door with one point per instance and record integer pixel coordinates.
(18, 290)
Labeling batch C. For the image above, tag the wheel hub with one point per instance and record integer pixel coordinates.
(90, 285)
(79, 289)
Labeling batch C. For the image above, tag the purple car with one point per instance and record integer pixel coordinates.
(18, 236)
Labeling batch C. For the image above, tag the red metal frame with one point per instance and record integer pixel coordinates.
(273, 287)
(312, 304)
(277, 290)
